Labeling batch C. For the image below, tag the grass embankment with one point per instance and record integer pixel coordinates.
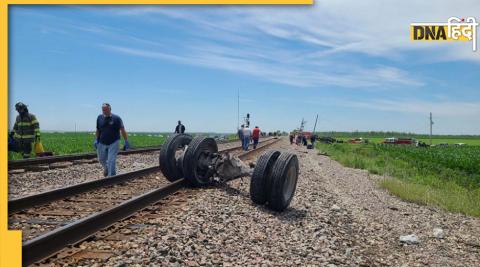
(71, 143)
(447, 177)
(435, 141)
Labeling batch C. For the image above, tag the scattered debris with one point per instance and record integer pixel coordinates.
(229, 167)
(438, 233)
(409, 239)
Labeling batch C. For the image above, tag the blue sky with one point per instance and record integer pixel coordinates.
(349, 61)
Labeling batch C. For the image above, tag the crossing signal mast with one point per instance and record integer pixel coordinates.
(247, 120)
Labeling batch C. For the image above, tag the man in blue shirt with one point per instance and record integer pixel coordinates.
(109, 127)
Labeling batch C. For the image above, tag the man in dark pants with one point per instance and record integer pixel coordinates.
(109, 127)
(240, 134)
(180, 128)
(255, 136)
(26, 130)
(313, 138)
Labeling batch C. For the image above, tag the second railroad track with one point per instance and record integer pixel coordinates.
(53, 220)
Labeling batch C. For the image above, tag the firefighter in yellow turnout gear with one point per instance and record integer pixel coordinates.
(26, 131)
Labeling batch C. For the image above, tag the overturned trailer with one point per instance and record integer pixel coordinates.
(197, 160)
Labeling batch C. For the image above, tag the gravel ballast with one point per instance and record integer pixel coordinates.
(339, 217)
(28, 183)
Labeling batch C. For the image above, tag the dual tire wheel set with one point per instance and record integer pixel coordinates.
(274, 178)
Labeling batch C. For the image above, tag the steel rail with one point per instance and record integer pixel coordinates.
(50, 243)
(19, 204)
(21, 163)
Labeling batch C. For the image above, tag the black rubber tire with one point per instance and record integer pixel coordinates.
(261, 181)
(198, 146)
(284, 181)
(168, 161)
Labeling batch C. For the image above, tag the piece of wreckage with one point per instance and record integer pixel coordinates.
(197, 160)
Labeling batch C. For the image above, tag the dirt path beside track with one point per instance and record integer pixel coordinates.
(380, 219)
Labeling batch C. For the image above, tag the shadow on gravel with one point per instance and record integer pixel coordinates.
(232, 191)
(289, 215)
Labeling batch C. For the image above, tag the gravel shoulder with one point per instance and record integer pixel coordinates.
(339, 217)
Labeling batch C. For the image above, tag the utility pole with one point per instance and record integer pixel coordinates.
(431, 124)
(314, 127)
(302, 125)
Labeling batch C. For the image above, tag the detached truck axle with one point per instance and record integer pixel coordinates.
(273, 180)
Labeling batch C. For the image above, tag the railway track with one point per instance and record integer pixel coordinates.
(26, 163)
(71, 214)
(23, 182)
(33, 163)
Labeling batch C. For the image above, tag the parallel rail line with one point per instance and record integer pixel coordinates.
(22, 163)
(22, 203)
(51, 242)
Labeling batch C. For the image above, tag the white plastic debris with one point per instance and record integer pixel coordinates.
(409, 239)
(438, 233)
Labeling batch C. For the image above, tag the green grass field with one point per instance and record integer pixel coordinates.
(448, 177)
(70, 143)
(378, 137)
(435, 141)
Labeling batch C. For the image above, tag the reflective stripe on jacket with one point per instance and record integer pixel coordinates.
(26, 128)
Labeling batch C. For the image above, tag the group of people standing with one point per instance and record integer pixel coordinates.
(109, 130)
(301, 139)
(246, 136)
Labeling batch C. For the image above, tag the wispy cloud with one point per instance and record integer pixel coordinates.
(441, 108)
(311, 46)
(289, 46)
(332, 27)
(277, 70)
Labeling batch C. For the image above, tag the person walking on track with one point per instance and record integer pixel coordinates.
(180, 128)
(26, 131)
(107, 142)
(313, 138)
(247, 134)
(240, 134)
(255, 136)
